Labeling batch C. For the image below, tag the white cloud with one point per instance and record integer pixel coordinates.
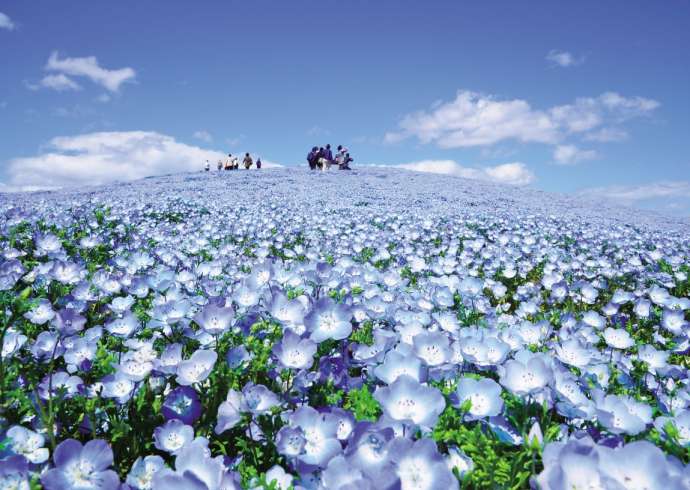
(203, 136)
(515, 173)
(571, 154)
(59, 82)
(563, 58)
(631, 194)
(475, 119)
(88, 67)
(103, 98)
(97, 158)
(6, 22)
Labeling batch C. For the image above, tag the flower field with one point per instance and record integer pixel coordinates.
(379, 329)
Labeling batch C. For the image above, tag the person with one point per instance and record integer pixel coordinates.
(328, 157)
(346, 163)
(258, 163)
(235, 163)
(312, 157)
(207, 167)
(248, 162)
(321, 158)
(228, 162)
(340, 156)
(220, 164)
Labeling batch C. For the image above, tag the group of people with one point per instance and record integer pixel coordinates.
(233, 163)
(321, 158)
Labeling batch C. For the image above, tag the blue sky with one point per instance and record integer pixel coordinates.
(584, 96)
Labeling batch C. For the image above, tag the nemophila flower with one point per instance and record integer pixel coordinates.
(340, 474)
(140, 477)
(121, 304)
(572, 402)
(419, 466)
(573, 353)
(594, 320)
(622, 415)
(11, 343)
(294, 352)
(183, 404)
(639, 465)
(80, 467)
(123, 326)
(14, 473)
(68, 321)
(484, 396)
(229, 412)
(118, 386)
(60, 384)
(197, 368)
(289, 312)
(653, 358)
(484, 351)
(246, 296)
(27, 443)
(277, 476)
(367, 449)
(67, 272)
(659, 296)
(47, 346)
(642, 308)
(573, 464)
(618, 338)
(525, 375)
(458, 461)
(408, 400)
(169, 359)
(290, 441)
(214, 319)
(194, 469)
(320, 436)
(258, 399)
(171, 436)
(47, 244)
(328, 320)
(676, 428)
(674, 321)
(41, 313)
(504, 430)
(383, 341)
(397, 364)
(237, 356)
(432, 347)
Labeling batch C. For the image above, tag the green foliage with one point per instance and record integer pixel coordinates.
(362, 404)
(364, 334)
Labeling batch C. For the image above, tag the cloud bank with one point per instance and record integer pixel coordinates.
(475, 119)
(515, 173)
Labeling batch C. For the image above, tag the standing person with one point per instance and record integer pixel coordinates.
(235, 163)
(328, 156)
(220, 164)
(228, 162)
(311, 158)
(258, 163)
(207, 167)
(320, 160)
(248, 162)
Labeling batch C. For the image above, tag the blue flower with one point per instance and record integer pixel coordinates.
(328, 320)
(140, 476)
(80, 467)
(172, 436)
(183, 404)
(27, 443)
(214, 319)
(14, 473)
(484, 396)
(294, 352)
(197, 368)
(408, 400)
(418, 465)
